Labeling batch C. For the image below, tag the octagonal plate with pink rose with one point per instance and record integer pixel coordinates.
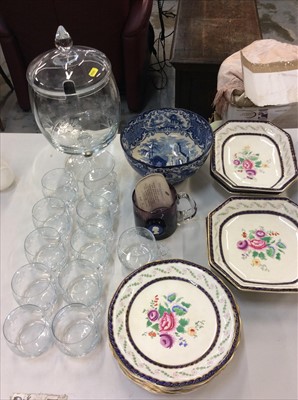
(173, 325)
(253, 242)
(253, 157)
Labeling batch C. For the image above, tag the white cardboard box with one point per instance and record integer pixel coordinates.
(270, 73)
(285, 117)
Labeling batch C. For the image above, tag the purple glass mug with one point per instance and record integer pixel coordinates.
(163, 221)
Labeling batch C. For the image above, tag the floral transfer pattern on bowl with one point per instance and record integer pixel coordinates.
(174, 142)
(167, 319)
(249, 164)
(253, 256)
(260, 245)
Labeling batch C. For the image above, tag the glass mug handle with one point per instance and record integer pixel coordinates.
(185, 213)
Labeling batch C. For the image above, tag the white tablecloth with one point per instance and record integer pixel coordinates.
(265, 363)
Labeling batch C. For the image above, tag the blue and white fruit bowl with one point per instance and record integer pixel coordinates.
(171, 141)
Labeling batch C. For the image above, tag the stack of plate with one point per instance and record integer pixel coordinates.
(172, 326)
(253, 242)
(253, 157)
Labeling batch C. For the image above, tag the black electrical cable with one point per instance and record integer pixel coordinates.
(160, 13)
(160, 65)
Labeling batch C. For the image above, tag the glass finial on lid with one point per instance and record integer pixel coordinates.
(63, 40)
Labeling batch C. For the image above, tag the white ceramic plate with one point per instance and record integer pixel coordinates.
(254, 243)
(173, 324)
(253, 157)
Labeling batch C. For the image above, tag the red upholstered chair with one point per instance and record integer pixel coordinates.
(118, 28)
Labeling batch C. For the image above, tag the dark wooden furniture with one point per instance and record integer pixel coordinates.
(206, 33)
(7, 80)
(117, 28)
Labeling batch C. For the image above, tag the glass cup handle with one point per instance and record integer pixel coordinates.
(188, 213)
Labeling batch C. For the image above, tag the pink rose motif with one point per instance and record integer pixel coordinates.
(167, 322)
(247, 164)
(257, 244)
